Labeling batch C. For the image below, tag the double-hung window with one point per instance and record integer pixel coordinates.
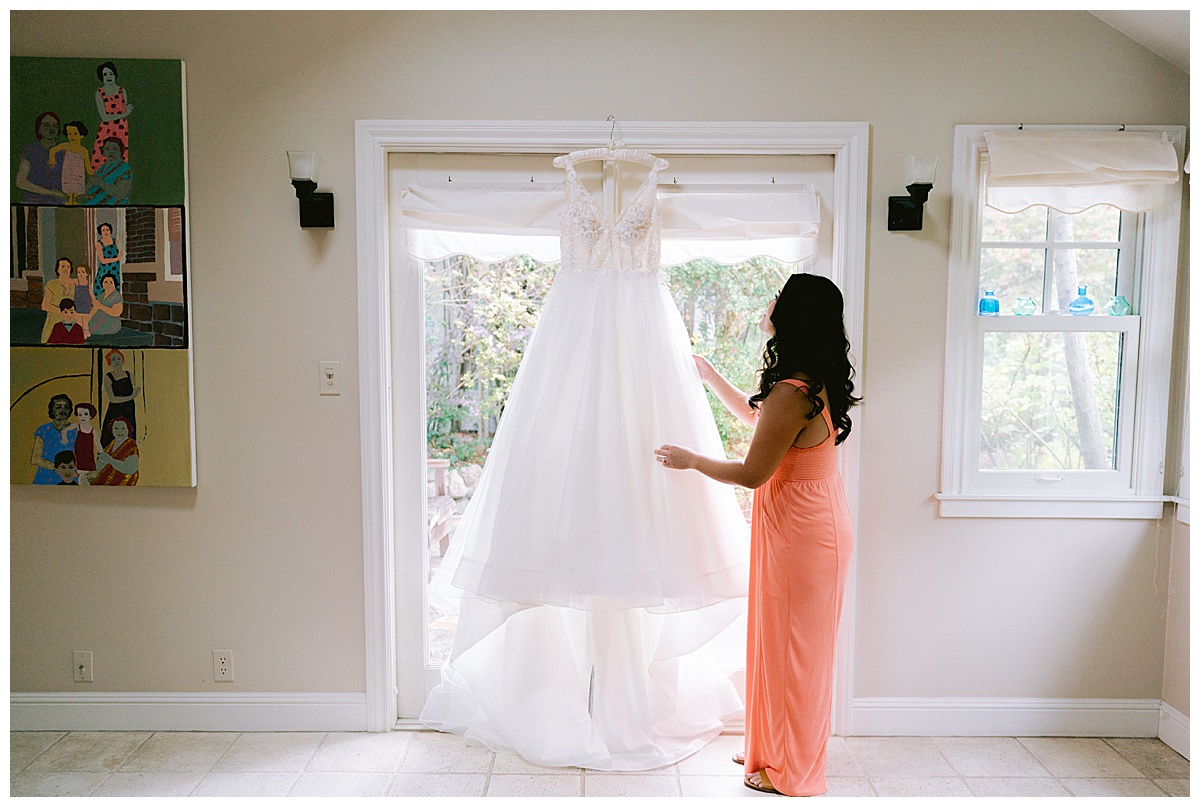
(1051, 412)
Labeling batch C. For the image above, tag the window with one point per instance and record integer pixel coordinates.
(1048, 414)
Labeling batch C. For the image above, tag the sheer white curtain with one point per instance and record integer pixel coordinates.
(728, 223)
(1072, 171)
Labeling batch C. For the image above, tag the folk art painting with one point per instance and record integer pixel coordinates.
(100, 337)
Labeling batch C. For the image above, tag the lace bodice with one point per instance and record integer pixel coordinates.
(631, 243)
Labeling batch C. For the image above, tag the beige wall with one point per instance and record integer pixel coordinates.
(1177, 690)
(265, 555)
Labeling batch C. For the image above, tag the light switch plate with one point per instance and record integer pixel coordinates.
(331, 378)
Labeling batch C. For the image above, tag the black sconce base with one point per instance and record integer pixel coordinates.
(316, 209)
(907, 212)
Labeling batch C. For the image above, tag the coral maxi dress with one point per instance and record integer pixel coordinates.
(800, 547)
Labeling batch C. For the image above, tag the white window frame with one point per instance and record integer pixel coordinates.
(391, 369)
(1135, 488)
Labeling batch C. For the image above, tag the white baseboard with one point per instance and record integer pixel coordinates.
(1174, 729)
(1003, 717)
(188, 711)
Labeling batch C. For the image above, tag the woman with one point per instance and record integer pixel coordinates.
(54, 292)
(801, 535)
(120, 393)
(112, 102)
(105, 318)
(112, 183)
(52, 438)
(119, 461)
(39, 181)
(109, 261)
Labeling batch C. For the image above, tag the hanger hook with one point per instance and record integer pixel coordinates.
(613, 130)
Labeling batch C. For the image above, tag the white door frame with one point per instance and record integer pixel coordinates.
(393, 463)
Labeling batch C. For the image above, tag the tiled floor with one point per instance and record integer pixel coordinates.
(406, 763)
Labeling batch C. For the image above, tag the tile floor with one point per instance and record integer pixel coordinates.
(413, 763)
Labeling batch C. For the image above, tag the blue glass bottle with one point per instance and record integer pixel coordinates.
(989, 306)
(1082, 305)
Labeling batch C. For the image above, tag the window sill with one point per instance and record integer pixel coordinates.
(1183, 509)
(1007, 506)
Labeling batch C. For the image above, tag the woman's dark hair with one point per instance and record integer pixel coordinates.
(101, 226)
(79, 127)
(100, 70)
(810, 339)
(116, 140)
(37, 124)
(59, 397)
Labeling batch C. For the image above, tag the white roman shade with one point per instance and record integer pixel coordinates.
(727, 223)
(1072, 171)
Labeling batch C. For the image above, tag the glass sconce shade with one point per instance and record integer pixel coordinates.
(919, 170)
(303, 164)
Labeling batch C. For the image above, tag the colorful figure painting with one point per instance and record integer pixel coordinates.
(124, 414)
(100, 344)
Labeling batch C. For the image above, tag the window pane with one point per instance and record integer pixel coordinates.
(1099, 223)
(1049, 401)
(1012, 273)
(1094, 268)
(1028, 225)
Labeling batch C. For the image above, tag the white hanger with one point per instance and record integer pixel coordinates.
(615, 150)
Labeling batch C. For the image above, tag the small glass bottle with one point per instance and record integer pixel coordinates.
(989, 306)
(1118, 306)
(1025, 307)
(1082, 305)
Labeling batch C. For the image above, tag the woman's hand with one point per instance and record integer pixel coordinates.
(704, 366)
(677, 458)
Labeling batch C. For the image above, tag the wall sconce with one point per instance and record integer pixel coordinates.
(316, 209)
(907, 212)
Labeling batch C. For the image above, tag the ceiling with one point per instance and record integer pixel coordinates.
(1166, 33)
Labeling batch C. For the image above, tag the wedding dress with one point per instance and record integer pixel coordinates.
(603, 597)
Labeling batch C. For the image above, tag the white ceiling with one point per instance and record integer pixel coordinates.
(1166, 33)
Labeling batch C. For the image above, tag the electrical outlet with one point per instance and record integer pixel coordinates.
(222, 665)
(81, 663)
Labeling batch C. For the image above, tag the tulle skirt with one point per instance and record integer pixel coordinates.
(603, 607)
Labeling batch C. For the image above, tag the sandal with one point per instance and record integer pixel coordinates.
(739, 758)
(754, 782)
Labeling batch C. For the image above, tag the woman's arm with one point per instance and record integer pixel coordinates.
(53, 153)
(736, 401)
(36, 457)
(48, 304)
(126, 466)
(113, 310)
(26, 184)
(105, 115)
(783, 416)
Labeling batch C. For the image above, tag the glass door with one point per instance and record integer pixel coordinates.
(478, 313)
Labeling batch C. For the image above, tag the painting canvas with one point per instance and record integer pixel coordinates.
(100, 337)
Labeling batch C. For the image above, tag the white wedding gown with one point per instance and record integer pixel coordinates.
(603, 596)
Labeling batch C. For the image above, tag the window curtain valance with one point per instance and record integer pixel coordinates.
(727, 223)
(1072, 171)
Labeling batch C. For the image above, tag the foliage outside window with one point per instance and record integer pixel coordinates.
(479, 317)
